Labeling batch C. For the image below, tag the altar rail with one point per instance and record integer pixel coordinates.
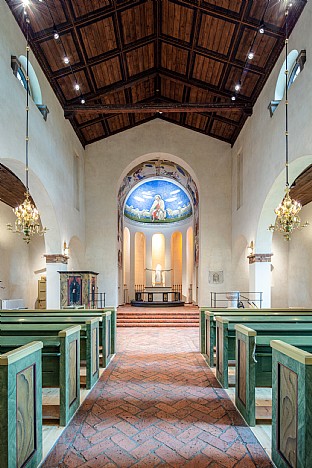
(245, 299)
(168, 296)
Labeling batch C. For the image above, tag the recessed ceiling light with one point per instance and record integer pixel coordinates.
(56, 35)
(237, 87)
(77, 87)
(233, 98)
(251, 55)
(82, 101)
(66, 60)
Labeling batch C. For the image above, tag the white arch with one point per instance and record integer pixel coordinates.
(281, 80)
(33, 80)
(263, 242)
(52, 238)
(161, 157)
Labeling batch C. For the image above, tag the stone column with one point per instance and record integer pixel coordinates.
(260, 276)
(167, 266)
(54, 264)
(148, 259)
(132, 265)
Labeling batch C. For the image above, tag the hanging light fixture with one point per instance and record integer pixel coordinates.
(287, 212)
(27, 216)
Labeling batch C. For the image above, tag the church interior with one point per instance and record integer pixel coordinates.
(155, 247)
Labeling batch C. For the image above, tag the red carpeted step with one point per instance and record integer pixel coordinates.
(186, 316)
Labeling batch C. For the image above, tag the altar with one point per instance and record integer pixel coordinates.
(157, 296)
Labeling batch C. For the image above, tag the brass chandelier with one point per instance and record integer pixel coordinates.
(288, 210)
(27, 216)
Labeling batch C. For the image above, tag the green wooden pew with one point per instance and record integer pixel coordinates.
(107, 324)
(21, 407)
(226, 335)
(89, 338)
(291, 406)
(60, 366)
(254, 366)
(247, 316)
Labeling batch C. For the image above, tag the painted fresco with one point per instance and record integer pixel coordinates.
(152, 169)
(158, 201)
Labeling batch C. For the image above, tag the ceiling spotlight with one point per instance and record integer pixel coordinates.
(261, 29)
(77, 87)
(56, 35)
(237, 87)
(66, 60)
(82, 101)
(233, 98)
(251, 55)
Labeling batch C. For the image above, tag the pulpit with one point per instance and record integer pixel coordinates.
(78, 288)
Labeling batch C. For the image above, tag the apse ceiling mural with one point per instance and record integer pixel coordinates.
(158, 201)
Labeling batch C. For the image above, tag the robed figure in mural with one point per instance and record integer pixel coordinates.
(157, 211)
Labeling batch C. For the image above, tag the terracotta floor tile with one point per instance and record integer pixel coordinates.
(157, 404)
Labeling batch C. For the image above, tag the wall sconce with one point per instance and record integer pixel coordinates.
(65, 249)
(250, 248)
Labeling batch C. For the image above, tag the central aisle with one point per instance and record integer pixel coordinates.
(158, 404)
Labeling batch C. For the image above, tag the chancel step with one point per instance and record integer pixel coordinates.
(187, 316)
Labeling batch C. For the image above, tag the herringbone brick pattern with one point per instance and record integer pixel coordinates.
(157, 405)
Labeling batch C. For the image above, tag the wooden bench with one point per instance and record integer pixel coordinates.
(273, 314)
(291, 406)
(226, 335)
(89, 337)
(254, 366)
(60, 368)
(21, 407)
(107, 324)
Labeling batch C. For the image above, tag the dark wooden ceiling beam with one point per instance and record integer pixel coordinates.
(68, 9)
(85, 20)
(209, 54)
(200, 84)
(116, 87)
(228, 15)
(101, 58)
(158, 107)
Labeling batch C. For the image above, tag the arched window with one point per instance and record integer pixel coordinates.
(19, 66)
(295, 64)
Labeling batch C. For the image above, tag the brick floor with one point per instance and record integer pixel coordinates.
(158, 404)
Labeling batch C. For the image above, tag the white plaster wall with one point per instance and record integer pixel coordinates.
(262, 142)
(20, 265)
(292, 261)
(52, 144)
(208, 161)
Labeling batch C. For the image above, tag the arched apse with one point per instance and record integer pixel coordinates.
(263, 240)
(153, 167)
(52, 238)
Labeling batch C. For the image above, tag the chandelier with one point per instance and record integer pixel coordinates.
(287, 212)
(27, 216)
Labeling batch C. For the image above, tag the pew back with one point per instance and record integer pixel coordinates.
(291, 406)
(21, 407)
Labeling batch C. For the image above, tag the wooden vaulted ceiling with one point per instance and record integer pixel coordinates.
(157, 53)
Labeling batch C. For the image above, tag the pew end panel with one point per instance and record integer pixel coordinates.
(245, 399)
(92, 351)
(108, 333)
(222, 356)
(292, 406)
(21, 407)
(69, 373)
(202, 331)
